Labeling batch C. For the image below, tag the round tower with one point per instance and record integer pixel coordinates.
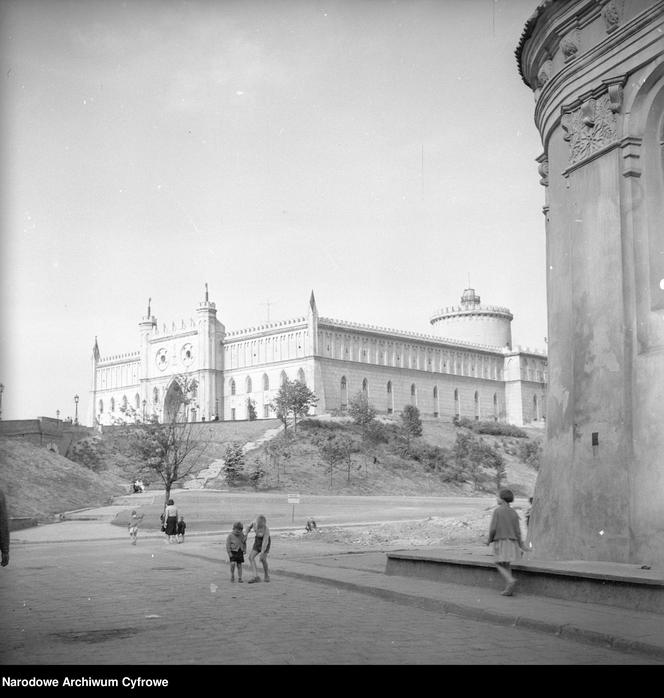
(473, 322)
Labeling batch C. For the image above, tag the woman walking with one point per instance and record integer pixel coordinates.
(171, 521)
(505, 534)
(261, 547)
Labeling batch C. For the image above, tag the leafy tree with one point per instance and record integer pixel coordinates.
(89, 452)
(256, 475)
(293, 398)
(336, 449)
(530, 452)
(361, 411)
(278, 453)
(233, 461)
(474, 457)
(251, 409)
(168, 450)
(411, 422)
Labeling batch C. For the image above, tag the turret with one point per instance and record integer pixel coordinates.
(473, 322)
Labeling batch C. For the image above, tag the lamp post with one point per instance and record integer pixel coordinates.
(76, 406)
(2, 388)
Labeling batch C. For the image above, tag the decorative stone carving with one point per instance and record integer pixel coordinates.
(590, 127)
(543, 169)
(569, 45)
(544, 74)
(612, 14)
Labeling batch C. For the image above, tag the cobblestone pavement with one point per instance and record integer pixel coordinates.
(108, 602)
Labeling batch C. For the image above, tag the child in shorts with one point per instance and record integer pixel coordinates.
(134, 522)
(236, 546)
(180, 529)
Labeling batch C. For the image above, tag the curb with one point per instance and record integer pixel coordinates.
(565, 631)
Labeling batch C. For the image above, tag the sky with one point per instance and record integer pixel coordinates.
(380, 153)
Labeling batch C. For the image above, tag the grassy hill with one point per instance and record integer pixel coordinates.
(39, 483)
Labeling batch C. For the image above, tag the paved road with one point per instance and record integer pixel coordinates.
(108, 602)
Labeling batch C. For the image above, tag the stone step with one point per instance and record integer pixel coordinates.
(613, 584)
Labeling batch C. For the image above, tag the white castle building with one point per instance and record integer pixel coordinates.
(468, 370)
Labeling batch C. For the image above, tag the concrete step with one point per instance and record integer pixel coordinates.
(614, 584)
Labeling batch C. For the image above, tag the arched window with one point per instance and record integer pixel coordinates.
(344, 393)
(137, 401)
(232, 386)
(283, 377)
(435, 401)
(457, 403)
(112, 404)
(155, 395)
(535, 408)
(390, 398)
(495, 407)
(300, 377)
(248, 385)
(412, 390)
(477, 405)
(101, 407)
(365, 385)
(124, 403)
(266, 382)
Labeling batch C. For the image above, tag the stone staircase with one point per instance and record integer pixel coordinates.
(214, 471)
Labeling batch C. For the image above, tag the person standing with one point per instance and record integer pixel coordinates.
(261, 547)
(4, 530)
(171, 521)
(181, 529)
(134, 522)
(236, 546)
(505, 534)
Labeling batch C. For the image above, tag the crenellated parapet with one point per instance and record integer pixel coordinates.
(266, 328)
(128, 357)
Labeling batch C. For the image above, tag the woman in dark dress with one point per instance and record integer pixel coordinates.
(171, 521)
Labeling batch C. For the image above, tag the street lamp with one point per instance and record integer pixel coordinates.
(76, 414)
(2, 387)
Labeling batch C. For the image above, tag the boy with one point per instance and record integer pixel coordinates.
(236, 546)
(180, 529)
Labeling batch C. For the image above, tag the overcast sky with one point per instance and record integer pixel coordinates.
(380, 153)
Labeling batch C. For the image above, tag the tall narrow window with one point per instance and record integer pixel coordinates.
(477, 406)
(457, 403)
(266, 382)
(248, 385)
(232, 386)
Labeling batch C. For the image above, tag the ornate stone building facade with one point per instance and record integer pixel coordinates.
(444, 376)
(596, 68)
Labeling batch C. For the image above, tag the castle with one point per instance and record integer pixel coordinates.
(468, 370)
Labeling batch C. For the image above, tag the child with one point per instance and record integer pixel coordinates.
(180, 529)
(261, 547)
(134, 521)
(236, 546)
(505, 534)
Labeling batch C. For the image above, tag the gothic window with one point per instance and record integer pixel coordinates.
(344, 393)
(457, 403)
(155, 395)
(389, 387)
(266, 382)
(232, 386)
(137, 401)
(283, 378)
(435, 400)
(101, 407)
(495, 407)
(412, 390)
(124, 403)
(365, 386)
(112, 404)
(390, 398)
(300, 377)
(477, 405)
(248, 385)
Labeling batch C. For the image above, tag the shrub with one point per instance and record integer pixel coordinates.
(89, 452)
(233, 462)
(492, 428)
(530, 452)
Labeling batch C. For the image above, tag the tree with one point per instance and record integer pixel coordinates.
(361, 411)
(293, 398)
(233, 461)
(474, 457)
(256, 475)
(411, 422)
(169, 449)
(335, 450)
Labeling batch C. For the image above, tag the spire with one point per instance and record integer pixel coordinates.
(207, 299)
(149, 301)
(95, 351)
(312, 303)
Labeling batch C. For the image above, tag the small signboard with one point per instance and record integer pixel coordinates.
(294, 498)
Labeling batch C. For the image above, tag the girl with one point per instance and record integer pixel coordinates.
(236, 546)
(505, 534)
(134, 521)
(171, 521)
(261, 547)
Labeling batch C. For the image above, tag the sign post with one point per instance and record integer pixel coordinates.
(293, 498)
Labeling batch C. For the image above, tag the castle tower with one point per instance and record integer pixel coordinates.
(473, 322)
(210, 359)
(92, 407)
(597, 75)
(146, 327)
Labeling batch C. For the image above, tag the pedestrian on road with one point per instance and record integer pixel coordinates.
(261, 547)
(171, 521)
(236, 547)
(134, 522)
(4, 530)
(505, 534)
(180, 529)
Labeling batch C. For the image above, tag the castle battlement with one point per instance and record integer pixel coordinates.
(129, 357)
(268, 326)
